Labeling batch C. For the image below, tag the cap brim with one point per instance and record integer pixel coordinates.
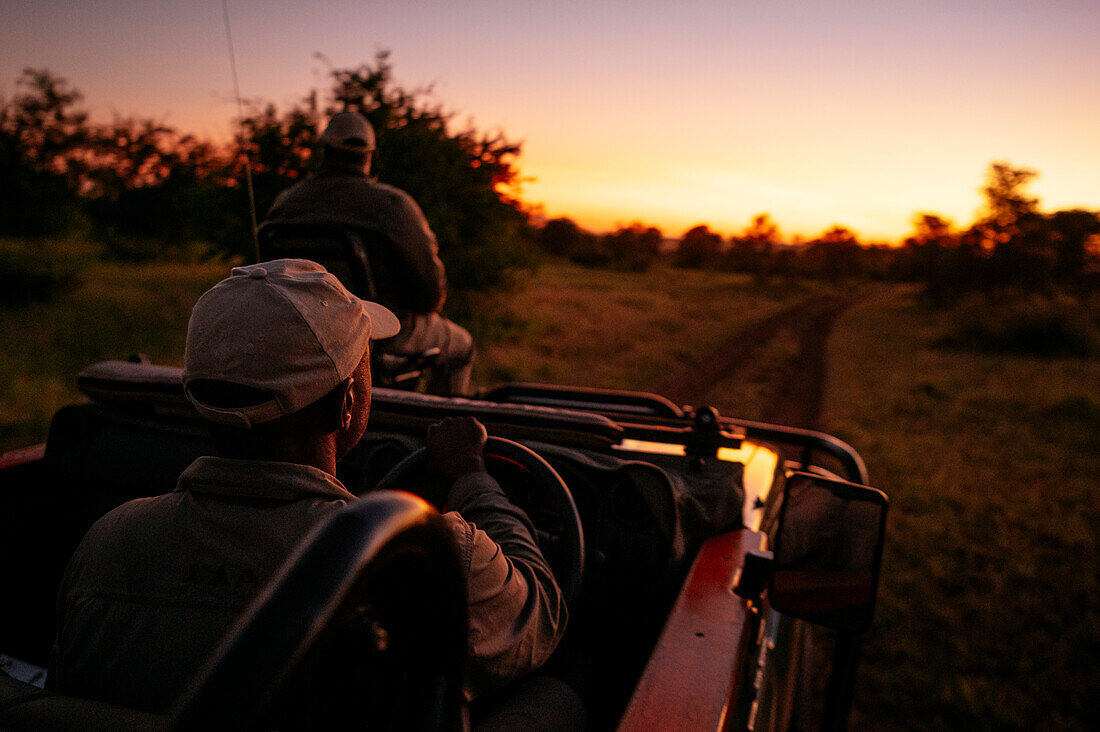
(383, 323)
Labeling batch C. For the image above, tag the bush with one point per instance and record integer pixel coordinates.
(26, 278)
(1031, 327)
(699, 248)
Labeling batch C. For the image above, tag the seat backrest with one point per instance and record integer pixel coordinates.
(343, 250)
(26, 707)
(365, 624)
(349, 253)
(366, 621)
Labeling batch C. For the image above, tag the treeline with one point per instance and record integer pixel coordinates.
(144, 190)
(1012, 247)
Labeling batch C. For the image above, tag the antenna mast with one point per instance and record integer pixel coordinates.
(240, 133)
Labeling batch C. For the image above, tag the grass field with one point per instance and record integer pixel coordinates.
(570, 325)
(115, 311)
(564, 325)
(989, 614)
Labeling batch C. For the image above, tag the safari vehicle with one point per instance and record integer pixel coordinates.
(700, 554)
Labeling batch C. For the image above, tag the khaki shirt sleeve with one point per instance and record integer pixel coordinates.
(516, 609)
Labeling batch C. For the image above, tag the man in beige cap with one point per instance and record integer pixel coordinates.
(411, 281)
(278, 362)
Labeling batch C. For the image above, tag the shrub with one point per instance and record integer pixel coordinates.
(26, 278)
(1033, 326)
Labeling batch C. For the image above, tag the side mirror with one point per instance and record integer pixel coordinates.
(827, 552)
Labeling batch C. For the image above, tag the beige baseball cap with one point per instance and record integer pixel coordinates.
(287, 329)
(349, 131)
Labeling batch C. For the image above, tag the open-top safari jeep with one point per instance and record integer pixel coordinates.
(687, 543)
(701, 557)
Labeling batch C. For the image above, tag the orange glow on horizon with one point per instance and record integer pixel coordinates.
(666, 115)
(675, 200)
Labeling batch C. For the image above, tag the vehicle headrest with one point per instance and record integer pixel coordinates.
(136, 385)
(150, 387)
(401, 410)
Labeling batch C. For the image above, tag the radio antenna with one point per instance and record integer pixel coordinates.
(240, 133)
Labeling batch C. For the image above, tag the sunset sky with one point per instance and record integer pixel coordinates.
(858, 113)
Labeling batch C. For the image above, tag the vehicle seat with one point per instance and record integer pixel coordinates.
(98, 451)
(371, 608)
(349, 253)
(98, 456)
(537, 703)
(364, 624)
(345, 251)
(26, 707)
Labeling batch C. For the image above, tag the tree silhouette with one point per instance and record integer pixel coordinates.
(1075, 235)
(947, 262)
(1006, 201)
(560, 237)
(931, 229)
(835, 254)
(41, 131)
(633, 248)
(148, 191)
(154, 194)
(699, 247)
(1027, 250)
(751, 251)
(45, 122)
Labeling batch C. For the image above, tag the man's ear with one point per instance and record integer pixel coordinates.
(347, 403)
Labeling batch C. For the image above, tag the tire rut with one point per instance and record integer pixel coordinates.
(797, 388)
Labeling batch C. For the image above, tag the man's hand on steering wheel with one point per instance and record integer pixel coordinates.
(455, 447)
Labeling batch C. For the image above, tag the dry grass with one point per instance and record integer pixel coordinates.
(117, 310)
(748, 394)
(989, 614)
(567, 325)
(615, 329)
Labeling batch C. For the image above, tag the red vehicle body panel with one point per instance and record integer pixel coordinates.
(22, 456)
(697, 667)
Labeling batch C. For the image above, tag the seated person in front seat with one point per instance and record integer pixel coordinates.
(277, 361)
(413, 283)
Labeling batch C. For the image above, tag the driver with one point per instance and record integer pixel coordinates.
(278, 363)
(412, 283)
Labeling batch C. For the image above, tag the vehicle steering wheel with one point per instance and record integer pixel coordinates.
(550, 505)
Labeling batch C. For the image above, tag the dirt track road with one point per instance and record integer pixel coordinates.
(796, 387)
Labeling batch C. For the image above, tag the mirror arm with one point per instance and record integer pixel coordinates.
(754, 575)
(841, 684)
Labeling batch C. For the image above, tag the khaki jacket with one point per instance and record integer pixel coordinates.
(408, 272)
(157, 582)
